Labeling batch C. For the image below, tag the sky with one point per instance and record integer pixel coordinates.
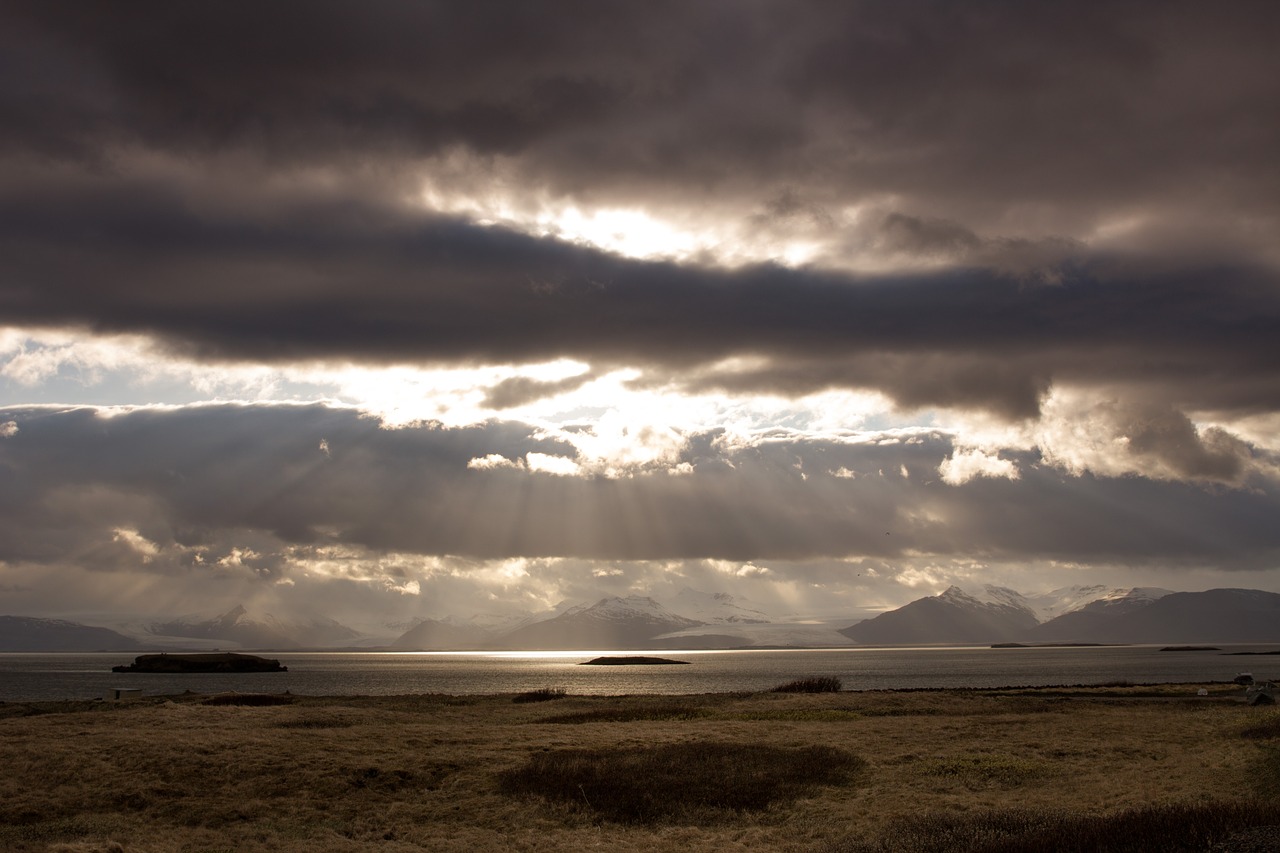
(438, 308)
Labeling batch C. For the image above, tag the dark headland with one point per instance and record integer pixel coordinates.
(218, 662)
(632, 660)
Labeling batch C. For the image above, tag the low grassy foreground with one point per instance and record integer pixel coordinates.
(823, 772)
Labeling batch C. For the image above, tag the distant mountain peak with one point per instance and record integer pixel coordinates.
(36, 634)
(717, 608)
(613, 622)
(238, 627)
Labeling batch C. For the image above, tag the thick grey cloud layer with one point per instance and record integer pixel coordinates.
(160, 167)
(330, 281)
(195, 476)
(971, 107)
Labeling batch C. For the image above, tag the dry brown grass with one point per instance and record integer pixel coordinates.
(424, 772)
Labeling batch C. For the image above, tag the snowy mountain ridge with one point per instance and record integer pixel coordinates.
(717, 608)
(1049, 605)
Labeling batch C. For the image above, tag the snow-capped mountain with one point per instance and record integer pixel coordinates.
(1094, 614)
(610, 623)
(1055, 602)
(237, 627)
(1128, 600)
(477, 631)
(716, 608)
(749, 634)
(1150, 615)
(991, 614)
(442, 635)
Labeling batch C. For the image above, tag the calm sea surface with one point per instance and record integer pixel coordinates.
(88, 676)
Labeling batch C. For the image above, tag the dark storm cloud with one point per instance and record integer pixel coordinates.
(331, 280)
(519, 390)
(964, 110)
(234, 182)
(207, 475)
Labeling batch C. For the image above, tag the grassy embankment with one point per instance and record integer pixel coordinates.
(835, 772)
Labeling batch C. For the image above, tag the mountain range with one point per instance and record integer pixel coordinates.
(237, 627)
(29, 634)
(693, 619)
(995, 614)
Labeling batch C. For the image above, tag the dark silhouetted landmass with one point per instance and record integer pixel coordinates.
(28, 634)
(1214, 616)
(1140, 615)
(218, 662)
(952, 617)
(632, 660)
(1043, 645)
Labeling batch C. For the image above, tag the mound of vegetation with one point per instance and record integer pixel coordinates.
(679, 782)
(1173, 827)
(820, 684)
(542, 694)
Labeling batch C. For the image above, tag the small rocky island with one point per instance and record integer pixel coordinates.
(216, 662)
(633, 660)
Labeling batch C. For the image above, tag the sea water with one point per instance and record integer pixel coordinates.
(88, 676)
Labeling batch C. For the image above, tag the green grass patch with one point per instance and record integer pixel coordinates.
(680, 782)
(1174, 827)
(625, 714)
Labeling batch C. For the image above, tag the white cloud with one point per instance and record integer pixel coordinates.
(965, 464)
(492, 461)
(1111, 437)
(139, 543)
(561, 466)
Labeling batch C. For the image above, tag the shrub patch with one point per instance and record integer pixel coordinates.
(680, 782)
(1174, 827)
(821, 684)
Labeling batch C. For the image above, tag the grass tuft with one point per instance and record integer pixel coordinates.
(819, 684)
(542, 694)
(679, 782)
